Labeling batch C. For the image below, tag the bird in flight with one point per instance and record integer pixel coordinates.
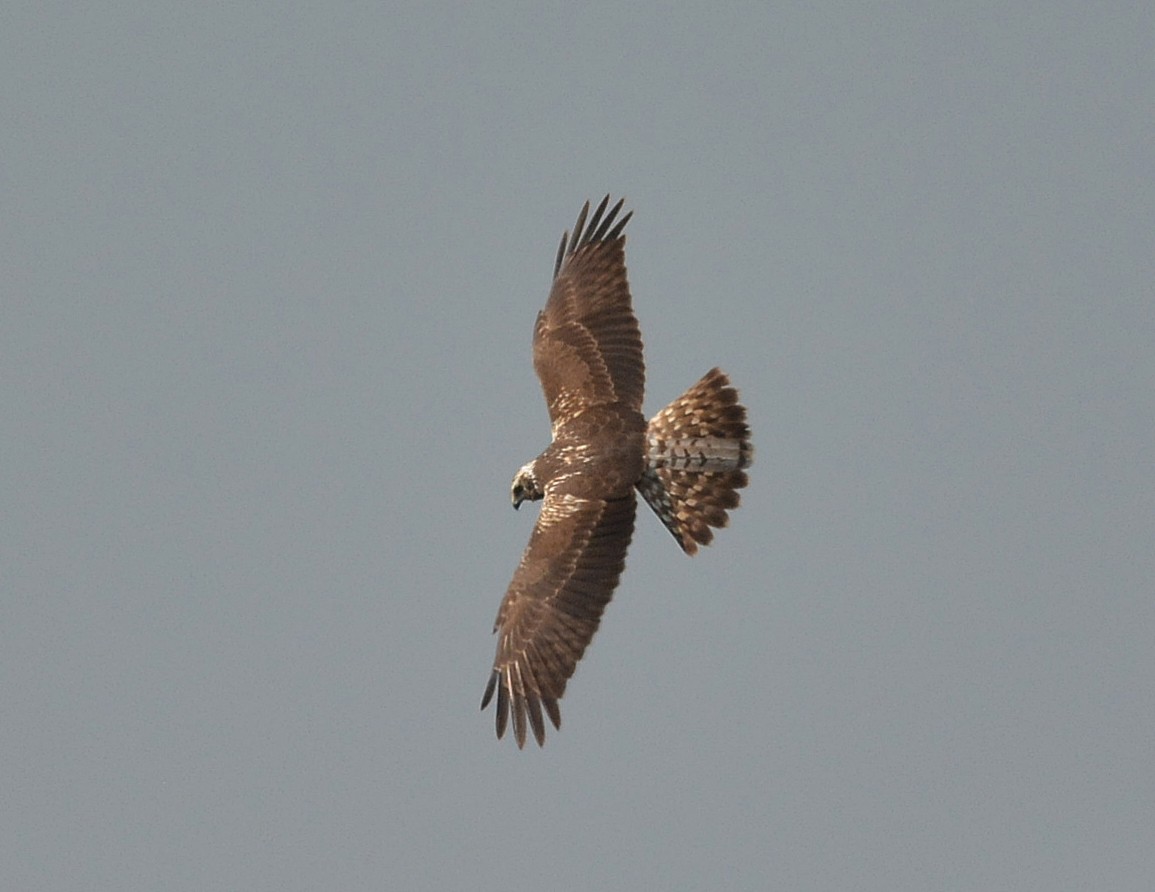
(687, 462)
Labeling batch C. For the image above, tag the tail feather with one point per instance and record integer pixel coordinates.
(696, 449)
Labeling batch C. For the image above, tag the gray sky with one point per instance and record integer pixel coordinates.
(269, 275)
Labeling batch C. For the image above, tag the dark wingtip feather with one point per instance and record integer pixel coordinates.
(552, 711)
(575, 239)
(519, 721)
(614, 234)
(560, 253)
(489, 688)
(533, 707)
(502, 718)
(595, 225)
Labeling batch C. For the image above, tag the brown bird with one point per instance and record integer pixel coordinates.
(686, 462)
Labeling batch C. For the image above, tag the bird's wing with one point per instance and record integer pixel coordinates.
(551, 611)
(587, 349)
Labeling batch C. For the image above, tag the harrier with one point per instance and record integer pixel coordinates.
(686, 462)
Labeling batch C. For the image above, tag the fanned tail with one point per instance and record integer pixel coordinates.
(696, 449)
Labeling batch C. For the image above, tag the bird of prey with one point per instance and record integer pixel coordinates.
(687, 463)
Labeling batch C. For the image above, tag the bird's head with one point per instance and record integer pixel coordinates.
(525, 486)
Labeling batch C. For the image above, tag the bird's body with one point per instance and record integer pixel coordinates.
(686, 462)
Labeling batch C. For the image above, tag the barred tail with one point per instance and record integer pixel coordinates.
(696, 449)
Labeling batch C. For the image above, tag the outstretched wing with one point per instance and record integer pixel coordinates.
(587, 349)
(553, 606)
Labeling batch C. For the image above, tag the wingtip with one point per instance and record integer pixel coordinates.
(489, 689)
(603, 226)
(526, 712)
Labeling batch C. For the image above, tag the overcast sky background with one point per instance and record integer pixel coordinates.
(269, 274)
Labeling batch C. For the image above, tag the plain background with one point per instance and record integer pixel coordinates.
(269, 274)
